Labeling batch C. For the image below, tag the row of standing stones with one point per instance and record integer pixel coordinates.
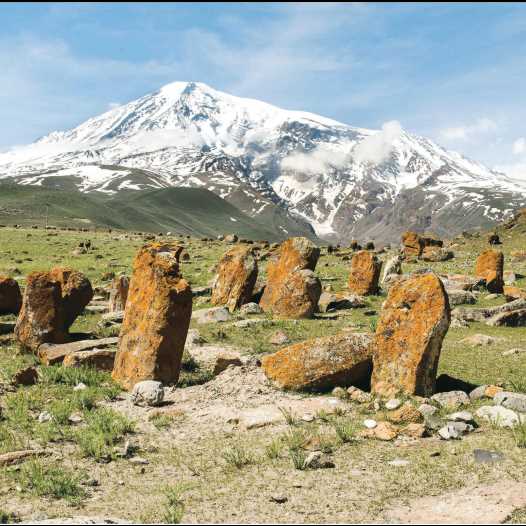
(401, 357)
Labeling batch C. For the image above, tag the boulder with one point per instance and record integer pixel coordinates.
(490, 267)
(42, 318)
(10, 296)
(100, 359)
(119, 293)
(460, 297)
(148, 393)
(514, 318)
(156, 319)
(436, 254)
(76, 292)
(333, 301)
(412, 244)
(409, 335)
(295, 255)
(365, 273)
(321, 363)
(392, 267)
(236, 276)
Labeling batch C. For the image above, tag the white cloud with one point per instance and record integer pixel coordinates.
(467, 132)
(519, 146)
(376, 148)
(514, 171)
(318, 160)
(113, 105)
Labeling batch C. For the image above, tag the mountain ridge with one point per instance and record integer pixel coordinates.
(347, 182)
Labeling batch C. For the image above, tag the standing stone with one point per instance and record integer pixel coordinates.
(119, 293)
(156, 318)
(10, 296)
(76, 292)
(291, 273)
(42, 316)
(490, 266)
(365, 273)
(235, 279)
(409, 336)
(412, 244)
(341, 360)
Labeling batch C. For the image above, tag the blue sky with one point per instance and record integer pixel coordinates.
(452, 72)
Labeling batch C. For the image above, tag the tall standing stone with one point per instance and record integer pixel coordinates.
(409, 336)
(42, 318)
(76, 292)
(156, 318)
(119, 293)
(10, 296)
(236, 276)
(365, 273)
(490, 267)
(412, 245)
(292, 290)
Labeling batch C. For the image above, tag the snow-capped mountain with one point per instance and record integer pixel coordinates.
(345, 181)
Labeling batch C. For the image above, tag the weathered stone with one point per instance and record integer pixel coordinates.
(25, 376)
(10, 296)
(514, 293)
(51, 354)
(436, 254)
(490, 266)
(295, 255)
(454, 430)
(408, 340)
(515, 318)
(321, 363)
(451, 399)
(212, 315)
(100, 359)
(76, 292)
(318, 460)
(479, 340)
(414, 430)
(510, 400)
(407, 413)
(225, 360)
(250, 308)
(42, 316)
(235, 279)
(279, 338)
(412, 244)
(330, 301)
(460, 297)
(119, 294)
(365, 273)
(300, 293)
(385, 431)
(148, 393)
(498, 415)
(392, 267)
(156, 318)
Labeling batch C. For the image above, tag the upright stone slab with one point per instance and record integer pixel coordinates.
(409, 336)
(156, 318)
(365, 273)
(10, 296)
(235, 279)
(76, 292)
(490, 267)
(412, 245)
(119, 293)
(322, 363)
(285, 276)
(42, 318)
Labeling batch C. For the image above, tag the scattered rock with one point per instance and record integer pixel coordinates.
(250, 308)
(279, 338)
(483, 456)
(510, 400)
(498, 415)
(148, 393)
(454, 430)
(322, 363)
(25, 376)
(451, 399)
(212, 315)
(393, 403)
(318, 460)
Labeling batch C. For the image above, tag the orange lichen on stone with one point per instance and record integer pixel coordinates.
(156, 318)
(341, 360)
(365, 273)
(119, 293)
(42, 318)
(236, 276)
(409, 336)
(490, 267)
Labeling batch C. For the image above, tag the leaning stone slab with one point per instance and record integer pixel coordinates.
(514, 318)
(100, 359)
(50, 354)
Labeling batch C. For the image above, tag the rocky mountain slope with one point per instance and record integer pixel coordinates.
(274, 165)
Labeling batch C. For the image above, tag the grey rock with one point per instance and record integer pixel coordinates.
(454, 430)
(498, 415)
(514, 401)
(212, 315)
(451, 399)
(427, 410)
(318, 460)
(393, 403)
(461, 416)
(250, 308)
(148, 393)
(478, 393)
(483, 456)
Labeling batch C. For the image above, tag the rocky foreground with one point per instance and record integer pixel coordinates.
(220, 380)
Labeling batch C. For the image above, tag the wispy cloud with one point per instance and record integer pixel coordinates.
(467, 132)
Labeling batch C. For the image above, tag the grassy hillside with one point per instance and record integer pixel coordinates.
(191, 211)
